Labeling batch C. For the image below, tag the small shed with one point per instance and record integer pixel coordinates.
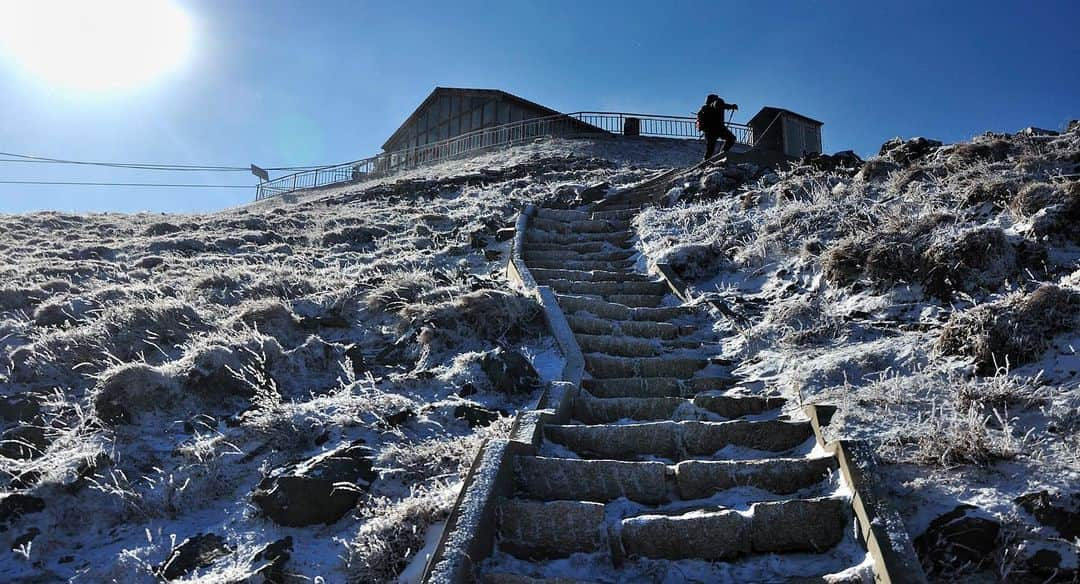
(786, 132)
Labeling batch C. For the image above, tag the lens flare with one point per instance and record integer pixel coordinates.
(104, 45)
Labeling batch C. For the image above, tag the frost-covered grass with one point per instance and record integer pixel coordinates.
(175, 360)
(935, 298)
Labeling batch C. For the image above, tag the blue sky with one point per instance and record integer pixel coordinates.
(299, 83)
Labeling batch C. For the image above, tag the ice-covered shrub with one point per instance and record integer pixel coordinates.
(127, 390)
(1012, 331)
(485, 314)
(393, 532)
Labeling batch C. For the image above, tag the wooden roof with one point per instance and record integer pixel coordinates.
(769, 112)
(461, 91)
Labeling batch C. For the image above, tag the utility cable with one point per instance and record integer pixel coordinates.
(120, 184)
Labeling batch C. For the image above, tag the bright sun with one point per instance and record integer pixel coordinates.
(99, 45)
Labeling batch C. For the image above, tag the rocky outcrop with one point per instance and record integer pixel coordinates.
(319, 490)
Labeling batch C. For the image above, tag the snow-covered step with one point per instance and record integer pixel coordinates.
(631, 328)
(595, 256)
(611, 310)
(540, 235)
(607, 288)
(549, 529)
(587, 247)
(616, 214)
(590, 409)
(627, 346)
(544, 274)
(582, 226)
(798, 525)
(628, 300)
(563, 214)
(602, 366)
(653, 482)
(676, 440)
(560, 264)
(655, 386)
(699, 479)
(592, 480)
(620, 346)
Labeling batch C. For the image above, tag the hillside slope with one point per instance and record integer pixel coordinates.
(211, 378)
(932, 294)
(302, 382)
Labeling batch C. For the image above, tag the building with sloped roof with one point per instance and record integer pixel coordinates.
(450, 112)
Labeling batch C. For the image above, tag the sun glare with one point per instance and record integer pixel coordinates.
(99, 45)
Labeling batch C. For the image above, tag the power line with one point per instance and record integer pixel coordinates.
(120, 184)
(28, 159)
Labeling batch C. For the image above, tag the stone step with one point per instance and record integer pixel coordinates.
(508, 578)
(619, 346)
(591, 480)
(580, 264)
(563, 214)
(735, 406)
(549, 529)
(542, 236)
(654, 386)
(647, 288)
(614, 311)
(699, 479)
(597, 256)
(587, 247)
(628, 300)
(616, 214)
(543, 274)
(604, 366)
(676, 440)
(605, 410)
(626, 346)
(630, 328)
(582, 226)
(635, 300)
(798, 525)
(653, 482)
(590, 409)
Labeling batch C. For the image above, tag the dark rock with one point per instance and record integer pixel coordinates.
(957, 540)
(467, 389)
(271, 560)
(509, 371)
(505, 234)
(477, 240)
(910, 151)
(194, 552)
(25, 538)
(356, 358)
(594, 192)
(828, 162)
(1033, 131)
(877, 169)
(492, 254)
(16, 505)
(17, 408)
(87, 467)
(475, 415)
(1044, 562)
(1054, 511)
(398, 418)
(319, 490)
(24, 442)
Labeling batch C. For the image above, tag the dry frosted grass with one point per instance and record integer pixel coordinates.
(182, 357)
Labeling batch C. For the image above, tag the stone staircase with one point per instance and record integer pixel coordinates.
(667, 470)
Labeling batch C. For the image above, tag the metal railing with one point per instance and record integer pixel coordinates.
(575, 124)
(657, 126)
